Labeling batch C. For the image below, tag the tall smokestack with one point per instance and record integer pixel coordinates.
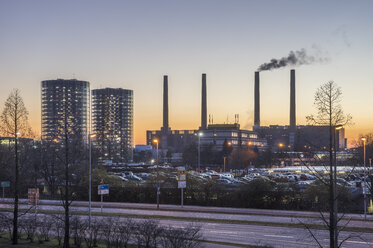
(204, 103)
(256, 101)
(292, 101)
(165, 103)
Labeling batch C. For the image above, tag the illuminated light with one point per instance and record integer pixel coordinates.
(341, 172)
(338, 127)
(155, 141)
(270, 171)
(298, 171)
(280, 145)
(363, 139)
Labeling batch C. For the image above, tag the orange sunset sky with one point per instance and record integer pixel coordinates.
(132, 44)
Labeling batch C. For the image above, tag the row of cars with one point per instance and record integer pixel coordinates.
(236, 178)
(130, 176)
(300, 179)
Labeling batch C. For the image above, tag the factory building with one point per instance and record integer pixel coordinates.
(205, 135)
(293, 137)
(287, 138)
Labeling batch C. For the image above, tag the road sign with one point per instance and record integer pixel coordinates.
(5, 184)
(181, 184)
(103, 189)
(33, 196)
(181, 177)
(181, 174)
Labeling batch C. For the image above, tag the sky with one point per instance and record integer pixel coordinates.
(132, 44)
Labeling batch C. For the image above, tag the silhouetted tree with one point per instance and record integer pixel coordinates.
(14, 123)
(330, 113)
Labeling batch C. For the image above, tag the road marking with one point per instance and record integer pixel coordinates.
(278, 236)
(359, 242)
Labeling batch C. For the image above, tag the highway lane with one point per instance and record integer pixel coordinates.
(243, 234)
(168, 207)
(277, 237)
(271, 212)
(206, 215)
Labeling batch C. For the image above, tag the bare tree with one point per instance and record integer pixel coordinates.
(148, 233)
(186, 237)
(330, 113)
(69, 147)
(14, 122)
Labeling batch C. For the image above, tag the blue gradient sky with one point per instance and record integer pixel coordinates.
(131, 44)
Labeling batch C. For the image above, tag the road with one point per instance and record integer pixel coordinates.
(256, 227)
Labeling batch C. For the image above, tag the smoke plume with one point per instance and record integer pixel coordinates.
(294, 58)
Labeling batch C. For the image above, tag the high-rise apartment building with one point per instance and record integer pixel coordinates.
(65, 106)
(112, 122)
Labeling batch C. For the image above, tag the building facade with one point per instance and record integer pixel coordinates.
(304, 138)
(65, 105)
(112, 122)
(214, 135)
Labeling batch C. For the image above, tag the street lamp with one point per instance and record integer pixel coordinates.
(365, 181)
(158, 188)
(279, 153)
(199, 150)
(333, 177)
(90, 137)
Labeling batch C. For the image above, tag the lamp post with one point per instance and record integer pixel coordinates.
(158, 188)
(225, 157)
(90, 178)
(279, 153)
(334, 176)
(365, 181)
(199, 151)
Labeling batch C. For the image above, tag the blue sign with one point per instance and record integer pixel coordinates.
(103, 186)
(5, 184)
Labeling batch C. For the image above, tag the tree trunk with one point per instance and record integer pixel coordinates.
(15, 212)
(66, 241)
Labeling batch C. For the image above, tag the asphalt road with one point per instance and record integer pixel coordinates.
(244, 234)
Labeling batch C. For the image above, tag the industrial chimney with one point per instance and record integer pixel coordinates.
(204, 104)
(256, 101)
(292, 101)
(165, 104)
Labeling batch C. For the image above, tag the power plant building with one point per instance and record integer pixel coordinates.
(112, 122)
(207, 134)
(64, 104)
(293, 137)
(287, 138)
